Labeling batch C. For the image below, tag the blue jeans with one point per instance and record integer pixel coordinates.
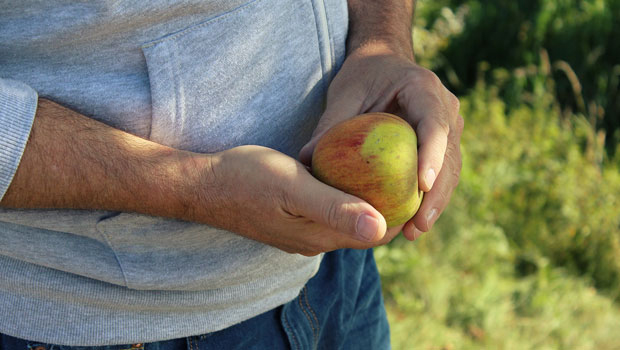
(339, 308)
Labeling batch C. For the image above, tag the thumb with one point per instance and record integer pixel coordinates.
(340, 211)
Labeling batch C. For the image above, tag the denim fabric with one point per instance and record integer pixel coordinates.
(340, 308)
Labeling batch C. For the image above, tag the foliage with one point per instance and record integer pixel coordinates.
(579, 39)
(527, 256)
(545, 182)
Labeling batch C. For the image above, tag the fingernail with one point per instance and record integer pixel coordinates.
(430, 216)
(367, 227)
(430, 177)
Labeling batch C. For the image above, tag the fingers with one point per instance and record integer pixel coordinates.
(411, 232)
(434, 113)
(436, 200)
(433, 141)
(433, 110)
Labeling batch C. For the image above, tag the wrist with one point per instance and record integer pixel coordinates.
(75, 162)
(378, 47)
(183, 187)
(385, 25)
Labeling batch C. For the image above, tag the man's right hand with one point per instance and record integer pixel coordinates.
(270, 197)
(75, 162)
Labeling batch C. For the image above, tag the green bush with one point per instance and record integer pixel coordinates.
(578, 39)
(545, 181)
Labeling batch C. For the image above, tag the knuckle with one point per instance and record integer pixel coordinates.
(432, 78)
(331, 215)
(460, 124)
(445, 192)
(456, 176)
(455, 160)
(453, 153)
(454, 103)
(334, 216)
(424, 76)
(443, 125)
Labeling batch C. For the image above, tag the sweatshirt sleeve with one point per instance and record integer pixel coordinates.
(18, 104)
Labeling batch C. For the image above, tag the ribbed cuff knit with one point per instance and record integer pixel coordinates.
(18, 104)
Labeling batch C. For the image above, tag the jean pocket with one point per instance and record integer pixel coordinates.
(253, 75)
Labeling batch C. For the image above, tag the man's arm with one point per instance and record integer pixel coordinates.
(72, 161)
(75, 162)
(380, 75)
(385, 24)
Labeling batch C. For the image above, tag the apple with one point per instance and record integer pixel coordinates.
(372, 156)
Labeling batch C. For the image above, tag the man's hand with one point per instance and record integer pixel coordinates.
(74, 162)
(380, 75)
(272, 198)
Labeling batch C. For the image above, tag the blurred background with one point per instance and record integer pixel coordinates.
(528, 254)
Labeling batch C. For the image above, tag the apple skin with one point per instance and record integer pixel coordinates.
(372, 156)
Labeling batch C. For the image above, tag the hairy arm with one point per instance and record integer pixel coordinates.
(72, 161)
(384, 24)
(75, 162)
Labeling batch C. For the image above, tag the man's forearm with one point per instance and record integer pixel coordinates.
(72, 161)
(386, 23)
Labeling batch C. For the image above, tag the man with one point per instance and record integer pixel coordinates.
(151, 196)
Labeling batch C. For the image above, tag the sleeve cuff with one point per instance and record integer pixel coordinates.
(18, 104)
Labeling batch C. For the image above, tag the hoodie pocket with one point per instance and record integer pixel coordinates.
(253, 75)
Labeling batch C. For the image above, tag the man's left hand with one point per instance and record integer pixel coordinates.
(375, 78)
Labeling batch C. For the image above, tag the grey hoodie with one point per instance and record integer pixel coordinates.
(196, 75)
